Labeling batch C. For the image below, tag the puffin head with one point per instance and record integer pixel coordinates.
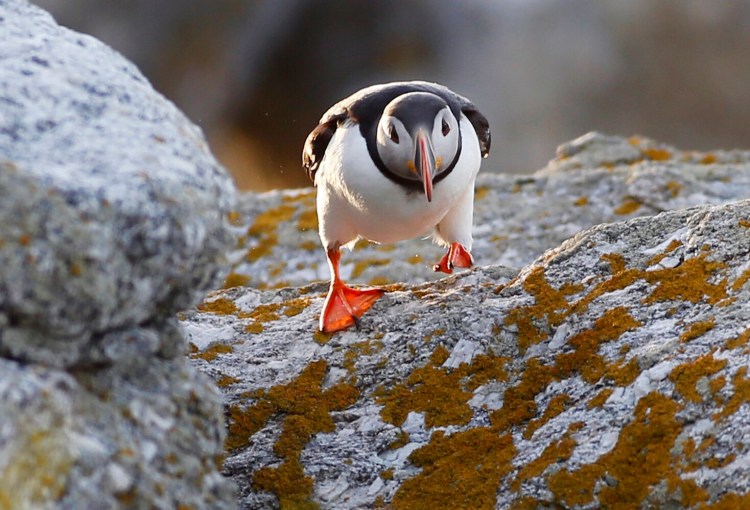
(417, 137)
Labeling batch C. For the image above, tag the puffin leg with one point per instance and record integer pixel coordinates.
(456, 256)
(344, 306)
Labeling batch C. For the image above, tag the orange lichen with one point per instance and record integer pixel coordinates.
(740, 395)
(581, 201)
(235, 280)
(739, 341)
(629, 205)
(555, 407)
(655, 154)
(744, 223)
(481, 192)
(686, 375)
(254, 328)
(708, 159)
(441, 393)
(361, 265)
(415, 259)
(674, 188)
(308, 220)
(24, 239)
(550, 304)
(221, 306)
(741, 280)
(640, 459)
(226, 380)
(697, 329)
(600, 398)
(213, 352)
(623, 374)
(672, 246)
(557, 451)
(584, 359)
(461, 471)
(306, 410)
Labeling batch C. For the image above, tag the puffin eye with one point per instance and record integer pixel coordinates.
(446, 128)
(392, 134)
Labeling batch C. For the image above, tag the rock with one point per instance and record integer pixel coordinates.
(611, 371)
(516, 218)
(113, 216)
(117, 205)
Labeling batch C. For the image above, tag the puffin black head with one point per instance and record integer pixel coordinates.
(418, 137)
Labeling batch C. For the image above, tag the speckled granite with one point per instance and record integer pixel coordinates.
(113, 216)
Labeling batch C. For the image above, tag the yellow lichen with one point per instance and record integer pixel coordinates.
(629, 205)
(674, 188)
(361, 265)
(305, 408)
(556, 405)
(221, 306)
(461, 471)
(557, 451)
(213, 352)
(415, 259)
(708, 159)
(740, 395)
(686, 375)
(697, 329)
(655, 154)
(739, 341)
(441, 393)
(226, 380)
(235, 280)
(581, 201)
(640, 459)
(308, 220)
(481, 192)
(254, 328)
(600, 398)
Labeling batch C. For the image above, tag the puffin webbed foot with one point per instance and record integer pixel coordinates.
(456, 256)
(344, 306)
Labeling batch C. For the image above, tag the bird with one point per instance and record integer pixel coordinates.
(391, 162)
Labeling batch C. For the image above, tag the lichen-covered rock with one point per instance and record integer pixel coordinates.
(113, 208)
(594, 179)
(611, 372)
(143, 433)
(113, 215)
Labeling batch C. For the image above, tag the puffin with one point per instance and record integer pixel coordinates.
(391, 162)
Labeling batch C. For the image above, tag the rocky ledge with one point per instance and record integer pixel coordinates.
(113, 216)
(609, 371)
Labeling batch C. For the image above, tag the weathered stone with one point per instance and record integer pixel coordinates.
(113, 215)
(113, 207)
(516, 218)
(609, 372)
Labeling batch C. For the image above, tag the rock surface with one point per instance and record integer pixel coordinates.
(117, 205)
(112, 217)
(610, 371)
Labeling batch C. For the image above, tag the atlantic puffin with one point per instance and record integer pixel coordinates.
(393, 162)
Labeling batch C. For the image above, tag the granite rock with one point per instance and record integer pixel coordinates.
(609, 371)
(114, 210)
(113, 216)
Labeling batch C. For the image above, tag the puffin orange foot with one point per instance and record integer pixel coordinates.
(456, 256)
(344, 306)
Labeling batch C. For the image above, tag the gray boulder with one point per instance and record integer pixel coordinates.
(609, 371)
(113, 216)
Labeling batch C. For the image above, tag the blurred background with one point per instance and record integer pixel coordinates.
(257, 75)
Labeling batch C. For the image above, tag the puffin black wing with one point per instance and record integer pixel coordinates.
(481, 126)
(317, 142)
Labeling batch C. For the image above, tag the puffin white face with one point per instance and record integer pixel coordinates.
(417, 137)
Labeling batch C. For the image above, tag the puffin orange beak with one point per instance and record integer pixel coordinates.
(424, 161)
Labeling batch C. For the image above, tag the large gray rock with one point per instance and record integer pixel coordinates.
(113, 216)
(610, 372)
(113, 207)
